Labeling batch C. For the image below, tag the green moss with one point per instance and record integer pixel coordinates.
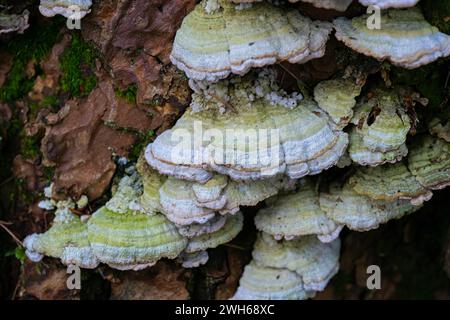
(137, 148)
(437, 13)
(30, 146)
(50, 101)
(18, 253)
(129, 94)
(77, 65)
(33, 46)
(49, 173)
(433, 88)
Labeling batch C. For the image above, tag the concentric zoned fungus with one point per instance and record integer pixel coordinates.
(196, 229)
(381, 127)
(217, 40)
(257, 140)
(404, 38)
(208, 240)
(151, 183)
(288, 269)
(429, 161)
(185, 202)
(337, 98)
(389, 182)
(67, 239)
(338, 5)
(265, 283)
(75, 9)
(362, 155)
(314, 261)
(297, 214)
(360, 213)
(384, 4)
(125, 238)
(14, 22)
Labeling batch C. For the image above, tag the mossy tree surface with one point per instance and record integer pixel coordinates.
(77, 65)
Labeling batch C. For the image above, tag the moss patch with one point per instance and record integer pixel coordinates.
(431, 82)
(129, 94)
(33, 46)
(143, 141)
(437, 13)
(77, 64)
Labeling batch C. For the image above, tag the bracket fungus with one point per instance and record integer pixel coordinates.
(197, 229)
(186, 202)
(338, 5)
(404, 38)
(294, 269)
(346, 207)
(151, 183)
(193, 254)
(429, 161)
(72, 9)
(381, 125)
(14, 22)
(389, 183)
(265, 283)
(314, 261)
(252, 142)
(337, 98)
(126, 238)
(67, 239)
(384, 4)
(297, 214)
(212, 44)
(362, 155)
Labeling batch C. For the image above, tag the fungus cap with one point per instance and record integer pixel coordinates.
(211, 46)
(404, 38)
(265, 283)
(315, 262)
(228, 232)
(337, 98)
(73, 9)
(296, 214)
(429, 161)
(66, 239)
(297, 142)
(389, 183)
(384, 4)
(360, 213)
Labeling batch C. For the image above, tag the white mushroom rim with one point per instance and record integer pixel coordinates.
(261, 147)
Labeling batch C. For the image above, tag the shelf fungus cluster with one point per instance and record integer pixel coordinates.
(367, 198)
(262, 133)
(245, 141)
(127, 235)
(288, 270)
(404, 37)
(380, 127)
